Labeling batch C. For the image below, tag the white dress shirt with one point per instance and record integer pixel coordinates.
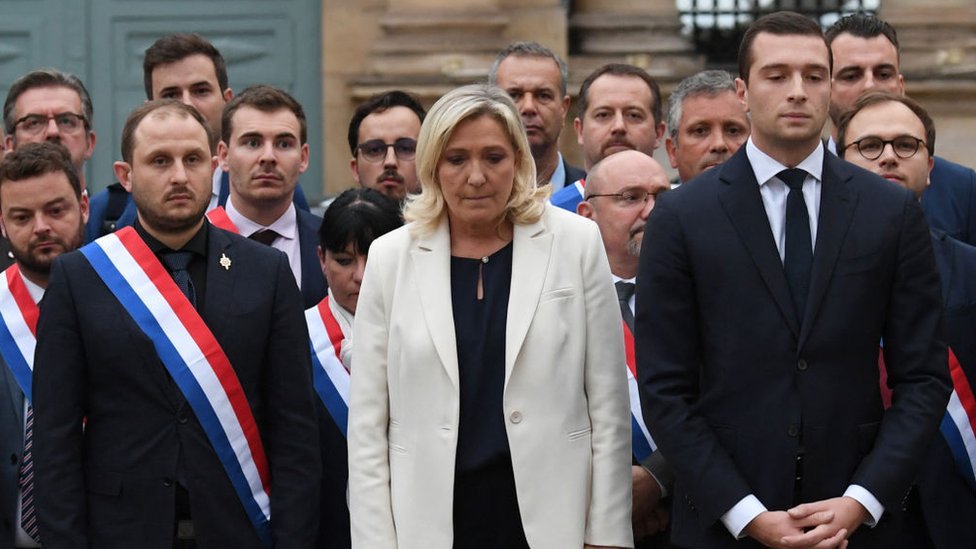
(558, 178)
(774, 192)
(287, 228)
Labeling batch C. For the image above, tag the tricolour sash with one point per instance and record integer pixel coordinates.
(18, 328)
(218, 218)
(569, 196)
(195, 361)
(329, 376)
(643, 444)
(959, 423)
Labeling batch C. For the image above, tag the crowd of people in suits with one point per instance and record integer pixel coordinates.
(476, 346)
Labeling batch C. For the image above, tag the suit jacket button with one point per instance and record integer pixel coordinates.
(793, 430)
(182, 417)
(167, 482)
(516, 417)
(801, 365)
(13, 459)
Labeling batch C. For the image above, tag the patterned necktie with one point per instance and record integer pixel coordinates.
(624, 292)
(176, 263)
(28, 516)
(798, 259)
(264, 236)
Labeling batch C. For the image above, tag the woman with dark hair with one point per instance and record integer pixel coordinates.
(350, 224)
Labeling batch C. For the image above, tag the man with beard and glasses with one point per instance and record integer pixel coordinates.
(263, 147)
(619, 109)
(173, 378)
(43, 214)
(383, 141)
(620, 193)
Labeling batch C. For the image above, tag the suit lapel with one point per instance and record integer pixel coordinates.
(220, 280)
(836, 211)
(531, 248)
(431, 257)
(312, 284)
(743, 205)
(16, 395)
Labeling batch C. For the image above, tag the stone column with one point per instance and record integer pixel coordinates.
(645, 33)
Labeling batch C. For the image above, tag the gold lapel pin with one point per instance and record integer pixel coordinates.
(225, 262)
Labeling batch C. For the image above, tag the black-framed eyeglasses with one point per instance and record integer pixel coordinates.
(67, 122)
(871, 147)
(628, 197)
(374, 150)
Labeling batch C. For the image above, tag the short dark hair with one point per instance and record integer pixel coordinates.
(379, 103)
(621, 69)
(265, 99)
(35, 159)
(529, 49)
(149, 107)
(779, 23)
(862, 25)
(357, 216)
(875, 98)
(45, 78)
(176, 47)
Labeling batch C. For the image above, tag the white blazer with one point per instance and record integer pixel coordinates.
(565, 400)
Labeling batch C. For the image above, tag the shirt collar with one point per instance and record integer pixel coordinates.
(558, 179)
(35, 291)
(197, 243)
(764, 167)
(616, 279)
(286, 226)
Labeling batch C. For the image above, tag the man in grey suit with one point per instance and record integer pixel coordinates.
(43, 214)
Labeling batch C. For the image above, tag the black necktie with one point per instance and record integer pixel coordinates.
(799, 248)
(624, 292)
(264, 236)
(176, 263)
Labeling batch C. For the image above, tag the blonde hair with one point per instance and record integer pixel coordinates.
(526, 203)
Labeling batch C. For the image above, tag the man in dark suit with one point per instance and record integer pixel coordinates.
(127, 427)
(894, 137)
(186, 67)
(43, 215)
(763, 296)
(263, 147)
(536, 77)
(865, 52)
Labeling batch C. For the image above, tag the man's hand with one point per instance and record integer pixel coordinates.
(773, 528)
(648, 517)
(847, 514)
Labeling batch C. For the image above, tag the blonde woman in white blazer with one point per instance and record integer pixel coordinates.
(515, 437)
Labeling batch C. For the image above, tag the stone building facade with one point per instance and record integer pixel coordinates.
(427, 47)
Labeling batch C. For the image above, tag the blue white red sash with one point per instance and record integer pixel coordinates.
(643, 444)
(329, 376)
(959, 423)
(195, 361)
(569, 196)
(218, 218)
(18, 328)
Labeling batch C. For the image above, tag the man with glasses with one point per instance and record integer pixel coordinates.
(894, 137)
(620, 193)
(50, 105)
(383, 141)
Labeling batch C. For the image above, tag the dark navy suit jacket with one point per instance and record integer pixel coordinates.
(313, 284)
(949, 201)
(734, 387)
(948, 502)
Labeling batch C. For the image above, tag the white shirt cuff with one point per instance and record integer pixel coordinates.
(871, 503)
(741, 514)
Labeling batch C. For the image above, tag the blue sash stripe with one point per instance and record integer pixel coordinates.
(15, 361)
(328, 394)
(181, 374)
(958, 448)
(640, 446)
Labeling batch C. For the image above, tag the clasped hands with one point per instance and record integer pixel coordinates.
(820, 524)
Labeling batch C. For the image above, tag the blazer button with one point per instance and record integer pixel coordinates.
(793, 430)
(801, 365)
(516, 417)
(167, 482)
